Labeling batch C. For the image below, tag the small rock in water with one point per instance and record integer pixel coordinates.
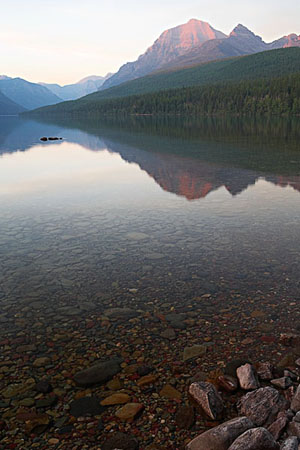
(86, 406)
(283, 383)
(43, 387)
(228, 383)
(97, 374)
(129, 411)
(116, 399)
(42, 362)
(185, 417)
(169, 392)
(247, 377)
(222, 436)
(44, 139)
(120, 441)
(144, 370)
(255, 439)
(169, 333)
(121, 313)
(207, 396)
(193, 352)
(265, 371)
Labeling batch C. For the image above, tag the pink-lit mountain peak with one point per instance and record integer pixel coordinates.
(188, 35)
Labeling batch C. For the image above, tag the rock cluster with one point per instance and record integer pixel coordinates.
(266, 414)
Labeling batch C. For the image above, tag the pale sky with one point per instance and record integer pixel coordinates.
(62, 41)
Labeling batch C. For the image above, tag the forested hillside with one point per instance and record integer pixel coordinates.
(278, 96)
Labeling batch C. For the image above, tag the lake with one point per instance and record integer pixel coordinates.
(141, 237)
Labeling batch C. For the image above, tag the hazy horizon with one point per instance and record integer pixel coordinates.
(63, 42)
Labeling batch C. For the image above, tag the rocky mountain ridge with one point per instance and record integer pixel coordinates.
(193, 43)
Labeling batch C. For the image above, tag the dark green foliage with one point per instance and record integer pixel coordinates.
(278, 96)
(270, 64)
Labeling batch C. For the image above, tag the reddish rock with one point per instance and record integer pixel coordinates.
(262, 406)
(295, 405)
(116, 399)
(283, 382)
(255, 439)
(129, 411)
(293, 429)
(290, 443)
(222, 436)
(147, 379)
(207, 396)
(277, 427)
(228, 383)
(169, 392)
(264, 371)
(247, 377)
(120, 441)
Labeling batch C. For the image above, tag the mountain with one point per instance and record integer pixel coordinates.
(292, 40)
(73, 91)
(268, 65)
(8, 107)
(240, 42)
(194, 43)
(26, 94)
(170, 45)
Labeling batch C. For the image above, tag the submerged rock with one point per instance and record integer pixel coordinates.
(207, 396)
(129, 411)
(228, 383)
(222, 436)
(194, 351)
(185, 417)
(86, 406)
(98, 374)
(120, 441)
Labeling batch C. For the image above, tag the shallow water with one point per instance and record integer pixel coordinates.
(192, 224)
(110, 209)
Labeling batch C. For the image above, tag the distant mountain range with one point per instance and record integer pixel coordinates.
(269, 78)
(21, 95)
(83, 87)
(193, 43)
(179, 58)
(8, 107)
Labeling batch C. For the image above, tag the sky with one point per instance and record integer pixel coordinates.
(62, 41)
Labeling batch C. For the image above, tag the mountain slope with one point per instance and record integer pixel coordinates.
(73, 91)
(241, 41)
(170, 45)
(273, 63)
(8, 107)
(29, 95)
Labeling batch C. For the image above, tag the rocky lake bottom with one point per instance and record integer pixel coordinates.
(166, 273)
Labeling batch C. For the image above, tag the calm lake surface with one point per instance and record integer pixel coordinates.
(139, 238)
(169, 208)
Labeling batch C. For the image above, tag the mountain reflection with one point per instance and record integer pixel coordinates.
(188, 158)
